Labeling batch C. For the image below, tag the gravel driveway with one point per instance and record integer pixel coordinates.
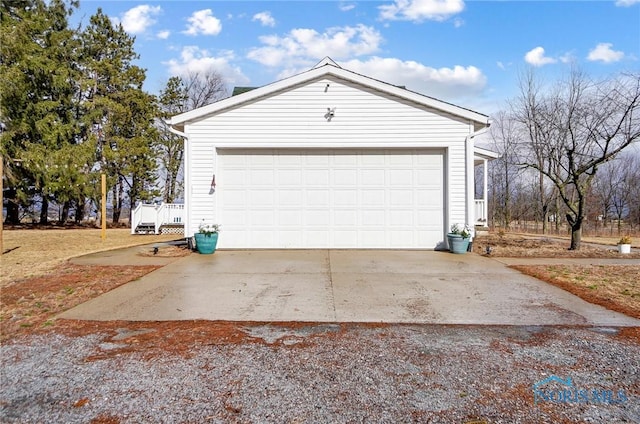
(196, 372)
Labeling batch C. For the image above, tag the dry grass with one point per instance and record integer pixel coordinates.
(35, 252)
(537, 246)
(30, 304)
(616, 287)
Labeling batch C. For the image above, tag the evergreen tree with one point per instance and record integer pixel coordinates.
(171, 146)
(118, 112)
(41, 142)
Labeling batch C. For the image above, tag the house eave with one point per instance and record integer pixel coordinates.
(325, 69)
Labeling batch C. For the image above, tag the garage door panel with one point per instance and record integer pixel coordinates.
(372, 177)
(348, 198)
(399, 238)
(345, 177)
(330, 198)
(316, 239)
(373, 198)
(345, 218)
(262, 217)
(373, 218)
(375, 158)
(291, 238)
(316, 178)
(344, 238)
(289, 218)
(289, 177)
(315, 218)
(234, 217)
(401, 198)
(429, 197)
(401, 177)
(235, 177)
(262, 198)
(261, 177)
(290, 197)
(318, 197)
(401, 218)
(429, 177)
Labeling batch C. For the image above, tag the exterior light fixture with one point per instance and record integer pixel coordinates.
(330, 114)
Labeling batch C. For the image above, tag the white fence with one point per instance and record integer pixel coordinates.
(481, 212)
(156, 215)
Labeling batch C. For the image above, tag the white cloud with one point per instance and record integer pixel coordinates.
(420, 10)
(195, 59)
(536, 57)
(345, 7)
(626, 3)
(603, 52)
(164, 34)
(568, 57)
(203, 22)
(265, 19)
(138, 19)
(301, 46)
(443, 83)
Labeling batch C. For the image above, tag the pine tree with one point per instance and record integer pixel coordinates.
(41, 142)
(119, 113)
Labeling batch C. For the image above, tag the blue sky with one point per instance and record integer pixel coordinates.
(468, 53)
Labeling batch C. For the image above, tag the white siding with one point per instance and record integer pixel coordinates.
(295, 118)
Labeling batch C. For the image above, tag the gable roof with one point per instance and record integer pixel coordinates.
(327, 67)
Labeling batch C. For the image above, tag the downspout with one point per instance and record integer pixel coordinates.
(469, 213)
(187, 182)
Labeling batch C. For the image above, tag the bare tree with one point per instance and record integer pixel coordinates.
(179, 95)
(203, 88)
(504, 170)
(575, 128)
(632, 184)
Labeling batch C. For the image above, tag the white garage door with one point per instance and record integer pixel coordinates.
(330, 198)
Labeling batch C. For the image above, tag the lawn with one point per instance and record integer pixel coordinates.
(35, 252)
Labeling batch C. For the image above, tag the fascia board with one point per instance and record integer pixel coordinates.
(485, 153)
(315, 73)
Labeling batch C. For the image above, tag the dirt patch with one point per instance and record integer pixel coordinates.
(166, 252)
(529, 246)
(616, 287)
(28, 305)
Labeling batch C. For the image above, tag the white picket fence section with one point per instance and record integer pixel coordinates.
(156, 215)
(481, 212)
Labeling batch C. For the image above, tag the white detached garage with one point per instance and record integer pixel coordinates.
(329, 159)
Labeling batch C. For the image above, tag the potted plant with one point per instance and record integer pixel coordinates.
(459, 238)
(624, 245)
(207, 237)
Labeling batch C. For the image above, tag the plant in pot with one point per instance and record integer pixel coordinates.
(459, 238)
(207, 237)
(624, 245)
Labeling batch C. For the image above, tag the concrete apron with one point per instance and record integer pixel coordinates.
(390, 286)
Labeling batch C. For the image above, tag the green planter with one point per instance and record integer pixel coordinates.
(458, 244)
(206, 244)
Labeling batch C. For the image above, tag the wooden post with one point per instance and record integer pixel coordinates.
(103, 214)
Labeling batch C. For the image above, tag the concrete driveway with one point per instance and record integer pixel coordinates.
(341, 286)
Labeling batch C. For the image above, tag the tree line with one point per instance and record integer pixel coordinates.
(567, 155)
(72, 107)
